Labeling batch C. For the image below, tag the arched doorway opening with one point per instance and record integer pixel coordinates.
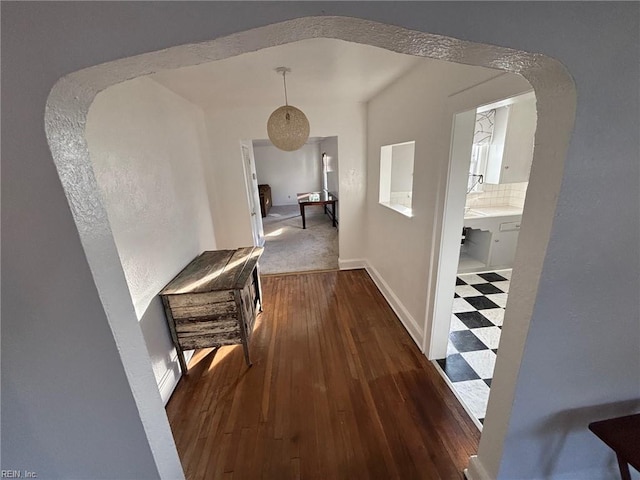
(65, 120)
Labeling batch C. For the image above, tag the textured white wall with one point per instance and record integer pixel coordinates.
(412, 108)
(147, 146)
(67, 371)
(289, 173)
(229, 205)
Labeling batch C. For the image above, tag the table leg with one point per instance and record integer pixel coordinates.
(304, 223)
(256, 279)
(174, 335)
(333, 211)
(181, 360)
(246, 354)
(624, 468)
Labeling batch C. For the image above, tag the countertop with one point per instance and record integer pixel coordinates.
(497, 211)
(490, 218)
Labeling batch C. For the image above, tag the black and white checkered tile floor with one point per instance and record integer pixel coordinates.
(476, 325)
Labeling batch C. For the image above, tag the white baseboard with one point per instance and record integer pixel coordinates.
(403, 314)
(171, 377)
(169, 380)
(476, 470)
(352, 263)
(456, 394)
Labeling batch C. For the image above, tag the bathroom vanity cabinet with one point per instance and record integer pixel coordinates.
(503, 248)
(490, 242)
(511, 148)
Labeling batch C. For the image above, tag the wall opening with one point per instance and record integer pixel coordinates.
(396, 177)
(65, 119)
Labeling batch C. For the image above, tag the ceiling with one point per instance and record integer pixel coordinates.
(323, 71)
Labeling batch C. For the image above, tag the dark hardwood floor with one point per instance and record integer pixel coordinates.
(337, 390)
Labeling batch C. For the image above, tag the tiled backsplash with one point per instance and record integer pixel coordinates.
(511, 194)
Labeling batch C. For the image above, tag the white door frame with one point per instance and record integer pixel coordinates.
(452, 223)
(253, 195)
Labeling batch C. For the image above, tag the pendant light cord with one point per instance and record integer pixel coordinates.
(284, 80)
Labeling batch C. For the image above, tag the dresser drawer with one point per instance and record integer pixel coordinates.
(188, 328)
(208, 340)
(208, 310)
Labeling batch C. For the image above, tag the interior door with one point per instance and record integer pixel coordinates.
(253, 195)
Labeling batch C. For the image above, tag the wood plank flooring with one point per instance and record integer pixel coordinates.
(337, 390)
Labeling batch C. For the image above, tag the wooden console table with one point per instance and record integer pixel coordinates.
(325, 198)
(214, 300)
(622, 435)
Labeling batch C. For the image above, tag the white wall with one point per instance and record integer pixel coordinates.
(289, 173)
(228, 202)
(413, 108)
(69, 409)
(147, 146)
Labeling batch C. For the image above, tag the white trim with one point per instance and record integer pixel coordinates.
(169, 381)
(476, 470)
(253, 196)
(406, 211)
(172, 375)
(352, 263)
(392, 299)
(394, 302)
(446, 263)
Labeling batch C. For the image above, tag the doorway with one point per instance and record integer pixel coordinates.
(492, 151)
(70, 99)
(291, 244)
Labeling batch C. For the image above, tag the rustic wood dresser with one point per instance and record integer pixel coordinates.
(214, 301)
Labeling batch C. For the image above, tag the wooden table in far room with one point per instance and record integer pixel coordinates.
(325, 198)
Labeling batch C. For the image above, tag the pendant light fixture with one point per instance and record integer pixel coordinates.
(287, 127)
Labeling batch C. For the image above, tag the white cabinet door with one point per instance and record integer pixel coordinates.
(503, 249)
(511, 150)
(493, 172)
(518, 146)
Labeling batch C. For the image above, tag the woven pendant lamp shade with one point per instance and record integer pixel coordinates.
(288, 128)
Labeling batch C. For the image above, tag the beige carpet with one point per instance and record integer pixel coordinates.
(290, 248)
